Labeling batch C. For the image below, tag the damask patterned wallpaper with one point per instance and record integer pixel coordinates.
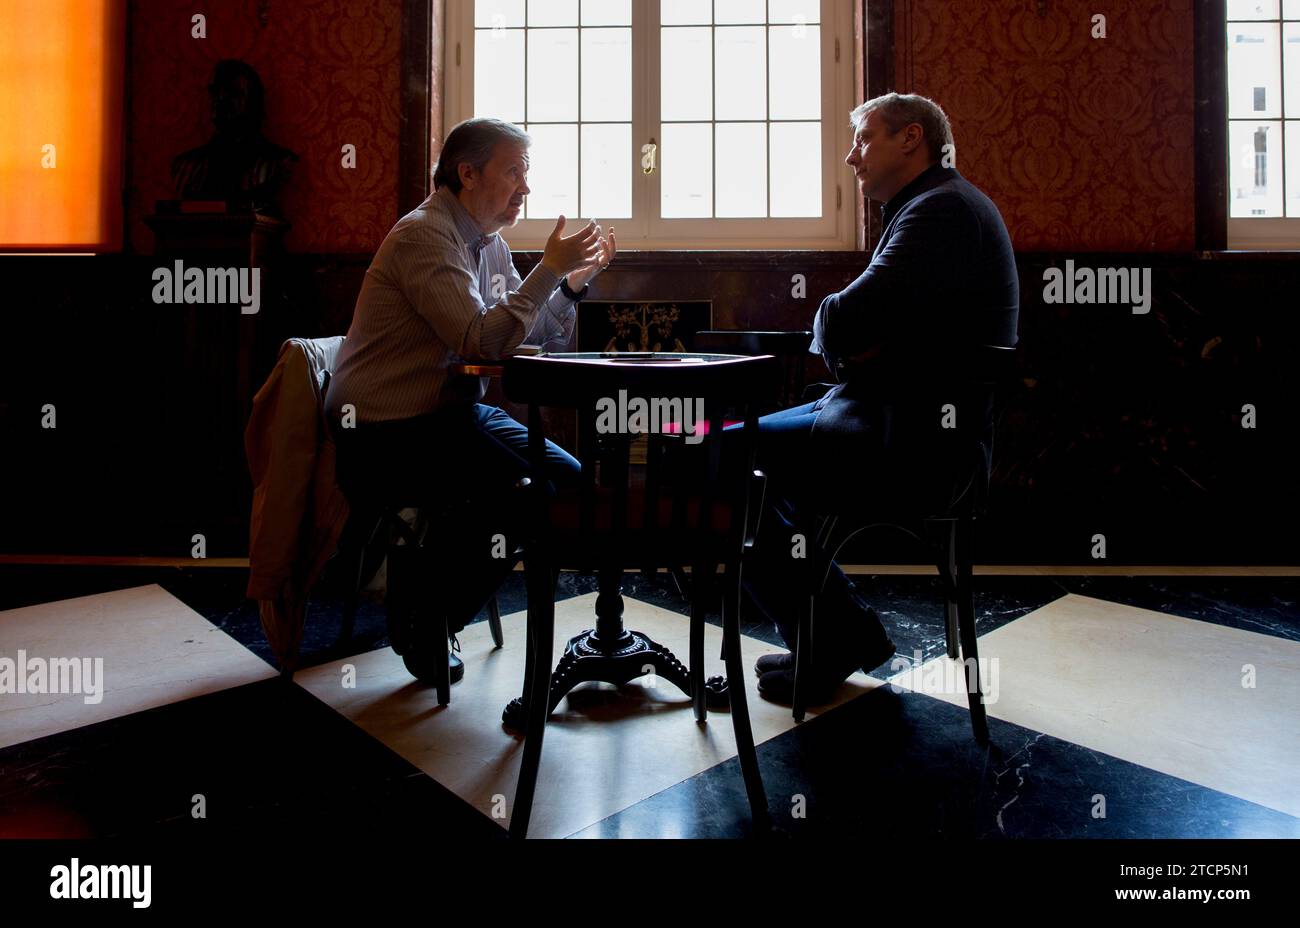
(1085, 144)
(331, 70)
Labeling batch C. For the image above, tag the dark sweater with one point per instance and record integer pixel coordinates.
(942, 272)
(942, 277)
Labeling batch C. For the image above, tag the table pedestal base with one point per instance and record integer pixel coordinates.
(588, 658)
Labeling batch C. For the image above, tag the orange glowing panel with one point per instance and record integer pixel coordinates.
(61, 86)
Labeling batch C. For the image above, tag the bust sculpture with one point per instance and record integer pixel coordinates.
(238, 164)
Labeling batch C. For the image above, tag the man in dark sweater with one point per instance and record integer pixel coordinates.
(942, 280)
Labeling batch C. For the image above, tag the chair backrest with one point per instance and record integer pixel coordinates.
(791, 348)
(616, 401)
(321, 354)
(991, 367)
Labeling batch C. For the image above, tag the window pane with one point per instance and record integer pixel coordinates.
(742, 169)
(796, 72)
(686, 74)
(607, 12)
(739, 11)
(686, 156)
(607, 171)
(499, 73)
(1291, 9)
(552, 12)
(1293, 170)
(553, 171)
(1253, 79)
(552, 75)
(1254, 169)
(793, 11)
(741, 72)
(1252, 9)
(796, 169)
(495, 14)
(607, 74)
(1291, 66)
(684, 12)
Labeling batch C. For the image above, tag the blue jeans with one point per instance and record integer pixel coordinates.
(467, 460)
(772, 580)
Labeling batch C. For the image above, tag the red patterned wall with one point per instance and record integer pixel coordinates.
(331, 70)
(1083, 143)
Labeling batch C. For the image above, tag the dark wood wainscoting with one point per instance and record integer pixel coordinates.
(1121, 424)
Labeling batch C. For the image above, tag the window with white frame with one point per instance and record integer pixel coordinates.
(1263, 44)
(684, 123)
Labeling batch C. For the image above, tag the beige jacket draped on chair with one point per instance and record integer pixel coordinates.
(298, 509)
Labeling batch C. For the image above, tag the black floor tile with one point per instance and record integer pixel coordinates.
(1265, 605)
(272, 760)
(269, 759)
(906, 764)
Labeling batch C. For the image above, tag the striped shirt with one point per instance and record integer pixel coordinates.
(439, 291)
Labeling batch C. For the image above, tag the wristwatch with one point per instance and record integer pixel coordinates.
(575, 297)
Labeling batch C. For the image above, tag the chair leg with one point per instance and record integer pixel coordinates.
(817, 565)
(434, 554)
(969, 652)
(695, 668)
(351, 602)
(745, 750)
(354, 549)
(948, 552)
(803, 649)
(442, 658)
(494, 622)
(683, 584)
(541, 633)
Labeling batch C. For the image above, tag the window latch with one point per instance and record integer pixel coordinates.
(648, 152)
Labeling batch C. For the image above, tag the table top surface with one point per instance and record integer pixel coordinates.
(640, 357)
(494, 368)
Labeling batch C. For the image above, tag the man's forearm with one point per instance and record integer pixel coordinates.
(510, 322)
(555, 322)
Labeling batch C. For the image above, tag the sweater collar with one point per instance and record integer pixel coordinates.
(931, 177)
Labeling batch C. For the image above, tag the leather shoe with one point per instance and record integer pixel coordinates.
(769, 662)
(777, 685)
(418, 662)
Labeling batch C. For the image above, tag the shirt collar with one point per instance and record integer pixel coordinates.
(470, 231)
(932, 176)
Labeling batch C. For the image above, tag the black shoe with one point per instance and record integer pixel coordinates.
(777, 684)
(769, 662)
(418, 662)
(881, 651)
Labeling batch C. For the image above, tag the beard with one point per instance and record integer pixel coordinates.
(510, 216)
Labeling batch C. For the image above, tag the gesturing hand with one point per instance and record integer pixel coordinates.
(563, 255)
(608, 247)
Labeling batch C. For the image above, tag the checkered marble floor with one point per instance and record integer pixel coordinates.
(1119, 707)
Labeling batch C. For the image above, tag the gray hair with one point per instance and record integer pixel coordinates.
(902, 109)
(473, 141)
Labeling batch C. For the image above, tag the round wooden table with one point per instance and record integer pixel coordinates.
(610, 652)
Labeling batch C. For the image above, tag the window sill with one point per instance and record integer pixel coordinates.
(724, 259)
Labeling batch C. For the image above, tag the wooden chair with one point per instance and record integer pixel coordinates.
(417, 630)
(791, 348)
(605, 524)
(948, 535)
(376, 530)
